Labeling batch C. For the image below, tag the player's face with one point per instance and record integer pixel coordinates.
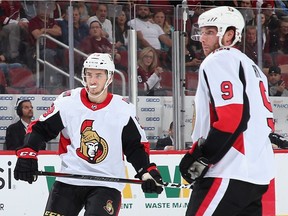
(209, 39)
(95, 79)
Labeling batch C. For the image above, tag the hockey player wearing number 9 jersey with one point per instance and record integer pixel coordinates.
(231, 162)
(96, 128)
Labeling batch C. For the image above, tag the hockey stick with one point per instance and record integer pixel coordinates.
(110, 179)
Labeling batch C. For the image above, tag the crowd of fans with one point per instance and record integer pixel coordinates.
(103, 27)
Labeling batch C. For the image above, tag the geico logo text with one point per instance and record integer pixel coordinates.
(152, 100)
(6, 118)
(153, 137)
(149, 128)
(6, 98)
(152, 118)
(48, 98)
(42, 108)
(27, 98)
(147, 109)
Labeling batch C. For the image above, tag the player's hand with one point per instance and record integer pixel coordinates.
(152, 179)
(278, 140)
(193, 165)
(26, 166)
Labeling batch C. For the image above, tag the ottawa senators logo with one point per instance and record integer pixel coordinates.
(109, 207)
(93, 148)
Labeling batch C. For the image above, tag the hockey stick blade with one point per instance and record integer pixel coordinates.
(110, 179)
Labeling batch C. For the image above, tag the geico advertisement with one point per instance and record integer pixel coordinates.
(21, 198)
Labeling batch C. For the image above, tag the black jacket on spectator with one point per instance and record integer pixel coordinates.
(15, 134)
(162, 143)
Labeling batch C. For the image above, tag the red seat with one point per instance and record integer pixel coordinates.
(191, 83)
(11, 90)
(58, 90)
(285, 78)
(2, 79)
(35, 90)
(21, 78)
(281, 59)
(166, 80)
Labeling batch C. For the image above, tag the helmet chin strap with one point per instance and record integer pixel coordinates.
(97, 96)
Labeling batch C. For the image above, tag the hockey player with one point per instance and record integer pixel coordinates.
(231, 162)
(96, 128)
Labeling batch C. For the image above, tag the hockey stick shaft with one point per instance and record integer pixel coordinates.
(109, 179)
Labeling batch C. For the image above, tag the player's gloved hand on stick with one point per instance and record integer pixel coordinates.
(152, 179)
(278, 140)
(27, 165)
(193, 165)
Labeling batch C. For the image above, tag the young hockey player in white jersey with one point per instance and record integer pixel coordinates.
(231, 162)
(96, 128)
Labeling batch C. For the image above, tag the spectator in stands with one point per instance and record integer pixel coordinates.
(12, 24)
(281, 8)
(265, 34)
(247, 11)
(148, 34)
(250, 47)
(83, 10)
(58, 13)
(166, 143)
(80, 29)
(149, 73)
(160, 18)
(5, 64)
(42, 24)
(15, 132)
(192, 62)
(277, 86)
(271, 20)
(121, 32)
(28, 9)
(95, 42)
(279, 39)
(101, 16)
(250, 41)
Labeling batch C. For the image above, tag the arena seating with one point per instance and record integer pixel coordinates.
(191, 82)
(21, 80)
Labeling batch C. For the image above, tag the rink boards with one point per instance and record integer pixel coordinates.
(21, 198)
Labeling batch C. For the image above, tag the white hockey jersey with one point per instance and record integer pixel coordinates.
(94, 137)
(234, 115)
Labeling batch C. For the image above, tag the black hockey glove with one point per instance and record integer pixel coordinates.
(27, 165)
(193, 165)
(278, 140)
(152, 179)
